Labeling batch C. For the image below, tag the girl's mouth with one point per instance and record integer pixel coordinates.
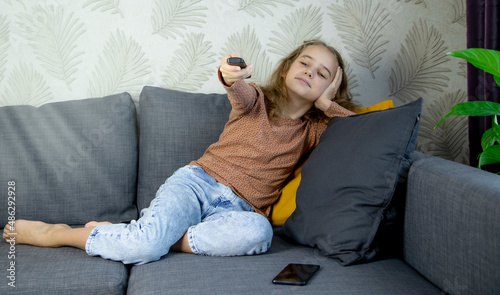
(304, 81)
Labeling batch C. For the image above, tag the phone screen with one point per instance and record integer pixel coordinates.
(296, 274)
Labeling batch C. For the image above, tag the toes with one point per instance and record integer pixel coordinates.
(95, 223)
(91, 224)
(8, 232)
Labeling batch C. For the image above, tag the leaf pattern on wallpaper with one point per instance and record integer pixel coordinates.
(261, 7)
(122, 67)
(459, 14)
(191, 64)
(416, 2)
(170, 18)
(449, 140)
(301, 25)
(248, 45)
(352, 80)
(105, 5)
(417, 66)
(25, 86)
(462, 68)
(360, 24)
(53, 35)
(4, 44)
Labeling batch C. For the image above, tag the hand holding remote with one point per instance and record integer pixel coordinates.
(237, 61)
(233, 69)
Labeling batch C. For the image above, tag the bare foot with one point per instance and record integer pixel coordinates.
(34, 233)
(95, 223)
(182, 245)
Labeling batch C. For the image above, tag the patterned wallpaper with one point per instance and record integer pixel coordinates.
(55, 50)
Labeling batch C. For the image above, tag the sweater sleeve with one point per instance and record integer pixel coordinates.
(241, 95)
(335, 110)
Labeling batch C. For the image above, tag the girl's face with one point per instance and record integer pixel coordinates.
(311, 73)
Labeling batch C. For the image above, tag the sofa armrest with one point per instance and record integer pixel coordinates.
(452, 226)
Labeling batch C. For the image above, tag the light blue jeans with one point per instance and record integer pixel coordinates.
(217, 222)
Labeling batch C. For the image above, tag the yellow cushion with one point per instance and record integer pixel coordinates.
(285, 205)
(386, 104)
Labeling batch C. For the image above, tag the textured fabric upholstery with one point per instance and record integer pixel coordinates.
(452, 226)
(191, 274)
(71, 161)
(61, 271)
(176, 128)
(349, 180)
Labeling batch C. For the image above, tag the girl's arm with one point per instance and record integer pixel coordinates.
(241, 95)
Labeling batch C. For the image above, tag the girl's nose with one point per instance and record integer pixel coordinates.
(308, 73)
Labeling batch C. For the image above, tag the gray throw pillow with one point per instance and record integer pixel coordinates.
(176, 128)
(349, 180)
(70, 162)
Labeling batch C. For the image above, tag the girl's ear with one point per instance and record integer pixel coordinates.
(283, 73)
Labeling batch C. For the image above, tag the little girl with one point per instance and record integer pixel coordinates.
(220, 204)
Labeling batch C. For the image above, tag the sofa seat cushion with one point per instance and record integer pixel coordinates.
(179, 273)
(60, 271)
(70, 162)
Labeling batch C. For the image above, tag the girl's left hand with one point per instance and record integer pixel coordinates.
(325, 100)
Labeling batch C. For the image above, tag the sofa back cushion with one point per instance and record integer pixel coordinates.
(176, 128)
(69, 162)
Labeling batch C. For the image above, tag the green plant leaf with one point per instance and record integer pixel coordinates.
(484, 59)
(496, 128)
(490, 156)
(497, 79)
(488, 139)
(473, 108)
(491, 136)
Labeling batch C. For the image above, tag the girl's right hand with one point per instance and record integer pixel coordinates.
(231, 74)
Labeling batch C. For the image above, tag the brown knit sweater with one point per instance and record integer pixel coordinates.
(254, 155)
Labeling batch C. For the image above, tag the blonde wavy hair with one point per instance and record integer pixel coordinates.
(276, 90)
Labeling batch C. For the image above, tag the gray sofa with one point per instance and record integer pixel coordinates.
(91, 159)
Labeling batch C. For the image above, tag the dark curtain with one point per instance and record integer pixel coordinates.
(483, 31)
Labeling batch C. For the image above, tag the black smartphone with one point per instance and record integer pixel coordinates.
(237, 61)
(296, 274)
